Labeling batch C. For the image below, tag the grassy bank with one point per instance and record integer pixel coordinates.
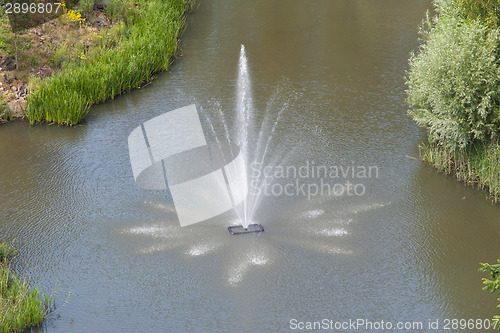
(21, 306)
(148, 46)
(478, 166)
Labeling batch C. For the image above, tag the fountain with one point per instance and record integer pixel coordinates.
(244, 109)
(255, 150)
(218, 180)
(240, 229)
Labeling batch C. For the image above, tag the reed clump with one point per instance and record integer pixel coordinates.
(21, 306)
(148, 47)
(478, 165)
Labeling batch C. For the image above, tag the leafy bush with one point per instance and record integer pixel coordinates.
(454, 81)
(86, 5)
(487, 11)
(492, 285)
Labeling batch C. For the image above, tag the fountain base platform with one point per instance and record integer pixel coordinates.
(238, 229)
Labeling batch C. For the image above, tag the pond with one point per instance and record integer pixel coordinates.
(327, 81)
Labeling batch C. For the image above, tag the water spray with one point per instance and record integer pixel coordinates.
(244, 108)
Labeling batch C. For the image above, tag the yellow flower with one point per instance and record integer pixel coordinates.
(75, 16)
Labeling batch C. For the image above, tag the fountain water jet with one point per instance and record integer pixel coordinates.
(253, 141)
(244, 108)
(254, 150)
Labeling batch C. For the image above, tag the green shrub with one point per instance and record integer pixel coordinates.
(487, 11)
(493, 283)
(454, 80)
(86, 5)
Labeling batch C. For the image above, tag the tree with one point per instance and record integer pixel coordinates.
(493, 283)
(454, 80)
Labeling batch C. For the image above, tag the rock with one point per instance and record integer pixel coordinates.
(8, 64)
(99, 5)
(17, 107)
(36, 32)
(99, 20)
(46, 70)
(15, 85)
(23, 89)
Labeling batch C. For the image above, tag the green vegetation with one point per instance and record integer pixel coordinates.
(487, 11)
(454, 90)
(5, 113)
(121, 63)
(20, 304)
(478, 165)
(492, 284)
(454, 81)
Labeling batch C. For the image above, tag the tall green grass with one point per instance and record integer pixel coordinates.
(478, 165)
(21, 306)
(5, 112)
(149, 47)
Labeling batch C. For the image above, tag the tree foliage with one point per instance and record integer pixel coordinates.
(493, 283)
(487, 11)
(454, 80)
